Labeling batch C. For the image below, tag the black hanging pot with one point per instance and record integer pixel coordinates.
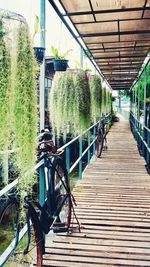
(60, 64)
(39, 54)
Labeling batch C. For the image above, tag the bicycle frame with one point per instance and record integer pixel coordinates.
(48, 210)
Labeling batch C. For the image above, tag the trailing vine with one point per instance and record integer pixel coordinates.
(5, 102)
(70, 103)
(82, 103)
(25, 108)
(5, 90)
(96, 97)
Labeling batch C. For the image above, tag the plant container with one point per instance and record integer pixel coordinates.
(60, 65)
(39, 54)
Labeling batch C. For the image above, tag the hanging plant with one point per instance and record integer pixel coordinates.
(82, 103)
(104, 100)
(5, 104)
(25, 108)
(62, 102)
(70, 103)
(96, 97)
(5, 90)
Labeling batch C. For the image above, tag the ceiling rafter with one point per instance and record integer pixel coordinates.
(107, 11)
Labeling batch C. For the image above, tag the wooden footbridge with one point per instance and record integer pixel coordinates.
(113, 208)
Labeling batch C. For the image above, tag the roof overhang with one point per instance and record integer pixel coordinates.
(116, 32)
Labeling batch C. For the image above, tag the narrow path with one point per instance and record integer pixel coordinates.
(113, 208)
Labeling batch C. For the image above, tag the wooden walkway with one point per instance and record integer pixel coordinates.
(114, 210)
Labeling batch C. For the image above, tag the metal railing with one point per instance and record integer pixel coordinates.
(86, 143)
(142, 135)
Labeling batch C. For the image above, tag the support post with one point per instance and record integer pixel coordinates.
(68, 158)
(81, 57)
(148, 147)
(42, 185)
(145, 97)
(89, 139)
(135, 94)
(42, 67)
(94, 145)
(145, 119)
(80, 155)
(138, 111)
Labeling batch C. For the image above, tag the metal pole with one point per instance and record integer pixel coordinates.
(88, 157)
(145, 97)
(80, 155)
(94, 145)
(138, 111)
(42, 67)
(81, 57)
(68, 158)
(135, 103)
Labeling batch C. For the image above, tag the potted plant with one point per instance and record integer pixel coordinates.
(60, 61)
(38, 51)
(87, 73)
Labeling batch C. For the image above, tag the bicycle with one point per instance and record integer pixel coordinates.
(101, 141)
(55, 214)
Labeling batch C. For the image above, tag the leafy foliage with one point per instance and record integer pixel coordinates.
(56, 55)
(25, 108)
(70, 103)
(96, 97)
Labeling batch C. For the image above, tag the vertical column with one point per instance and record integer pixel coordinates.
(88, 156)
(42, 67)
(94, 145)
(42, 185)
(81, 57)
(138, 107)
(68, 158)
(145, 117)
(80, 155)
(145, 97)
(42, 94)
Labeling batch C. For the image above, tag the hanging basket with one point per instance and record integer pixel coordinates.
(39, 54)
(60, 65)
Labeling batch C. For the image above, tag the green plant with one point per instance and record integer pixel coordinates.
(96, 97)
(5, 102)
(5, 90)
(25, 108)
(36, 26)
(56, 54)
(70, 103)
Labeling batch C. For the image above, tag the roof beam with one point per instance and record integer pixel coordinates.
(112, 20)
(119, 48)
(98, 34)
(133, 56)
(106, 11)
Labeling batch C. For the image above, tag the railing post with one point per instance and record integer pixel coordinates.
(42, 185)
(80, 155)
(148, 147)
(68, 158)
(89, 140)
(145, 97)
(94, 145)
(145, 118)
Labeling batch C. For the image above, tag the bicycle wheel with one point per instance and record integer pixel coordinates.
(62, 197)
(99, 143)
(9, 218)
(9, 221)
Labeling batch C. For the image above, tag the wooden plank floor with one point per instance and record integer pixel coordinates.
(113, 208)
